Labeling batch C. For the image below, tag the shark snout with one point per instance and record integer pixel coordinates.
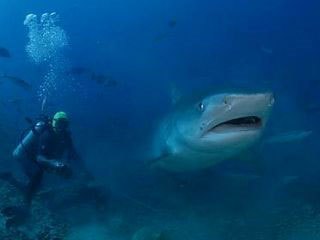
(270, 99)
(267, 99)
(263, 99)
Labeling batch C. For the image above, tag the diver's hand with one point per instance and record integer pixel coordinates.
(61, 169)
(55, 166)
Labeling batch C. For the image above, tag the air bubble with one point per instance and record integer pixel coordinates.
(46, 43)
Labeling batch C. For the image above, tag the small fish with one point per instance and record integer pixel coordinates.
(15, 101)
(78, 71)
(18, 81)
(292, 136)
(99, 78)
(172, 23)
(104, 80)
(4, 53)
(29, 120)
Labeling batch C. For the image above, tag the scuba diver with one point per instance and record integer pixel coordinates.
(46, 148)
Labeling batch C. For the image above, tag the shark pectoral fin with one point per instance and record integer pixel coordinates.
(240, 179)
(288, 137)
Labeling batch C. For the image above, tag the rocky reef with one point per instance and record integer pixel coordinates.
(54, 211)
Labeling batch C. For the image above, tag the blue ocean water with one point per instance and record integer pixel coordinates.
(115, 67)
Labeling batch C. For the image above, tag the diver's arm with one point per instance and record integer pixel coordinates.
(41, 159)
(54, 166)
(45, 162)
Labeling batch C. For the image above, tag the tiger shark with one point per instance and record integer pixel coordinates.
(210, 131)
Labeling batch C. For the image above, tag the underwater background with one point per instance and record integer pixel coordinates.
(114, 67)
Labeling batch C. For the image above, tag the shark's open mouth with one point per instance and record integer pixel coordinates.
(238, 124)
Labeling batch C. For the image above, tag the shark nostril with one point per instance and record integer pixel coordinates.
(227, 103)
(226, 100)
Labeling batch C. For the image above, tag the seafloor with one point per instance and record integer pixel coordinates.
(89, 211)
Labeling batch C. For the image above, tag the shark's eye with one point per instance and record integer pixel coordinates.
(201, 107)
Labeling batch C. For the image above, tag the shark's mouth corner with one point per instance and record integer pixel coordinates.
(238, 124)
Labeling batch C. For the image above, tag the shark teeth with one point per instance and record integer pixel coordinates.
(242, 123)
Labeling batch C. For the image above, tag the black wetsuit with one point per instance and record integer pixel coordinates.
(50, 152)
(51, 146)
